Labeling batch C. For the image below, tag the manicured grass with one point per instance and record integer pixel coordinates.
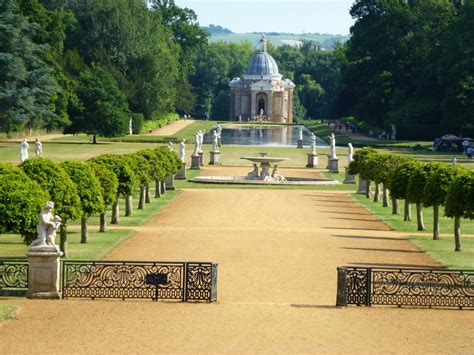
(189, 132)
(7, 311)
(98, 246)
(396, 221)
(443, 250)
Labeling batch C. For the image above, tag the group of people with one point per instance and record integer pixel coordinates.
(24, 147)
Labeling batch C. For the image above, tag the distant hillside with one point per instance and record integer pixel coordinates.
(326, 41)
(213, 29)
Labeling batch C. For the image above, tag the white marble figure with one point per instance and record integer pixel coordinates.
(261, 112)
(240, 118)
(215, 144)
(24, 150)
(332, 146)
(313, 144)
(130, 127)
(219, 129)
(47, 226)
(38, 148)
(196, 144)
(394, 132)
(276, 175)
(300, 134)
(182, 150)
(170, 146)
(350, 154)
(201, 140)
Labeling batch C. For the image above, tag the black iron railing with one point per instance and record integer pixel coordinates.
(367, 286)
(13, 277)
(180, 281)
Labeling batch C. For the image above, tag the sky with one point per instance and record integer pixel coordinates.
(298, 16)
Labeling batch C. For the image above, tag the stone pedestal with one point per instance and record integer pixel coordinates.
(219, 141)
(195, 163)
(43, 273)
(300, 144)
(349, 179)
(181, 173)
(333, 165)
(312, 161)
(169, 183)
(362, 188)
(201, 159)
(215, 158)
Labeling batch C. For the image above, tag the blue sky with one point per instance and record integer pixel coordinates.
(323, 16)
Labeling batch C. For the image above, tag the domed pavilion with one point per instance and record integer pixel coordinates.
(261, 94)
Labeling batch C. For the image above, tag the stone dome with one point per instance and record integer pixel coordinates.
(262, 64)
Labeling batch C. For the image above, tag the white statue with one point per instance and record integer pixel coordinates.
(215, 142)
(240, 118)
(276, 175)
(313, 144)
(47, 226)
(261, 112)
(182, 150)
(130, 127)
(38, 148)
(219, 129)
(332, 146)
(24, 150)
(350, 154)
(201, 140)
(170, 146)
(300, 135)
(196, 144)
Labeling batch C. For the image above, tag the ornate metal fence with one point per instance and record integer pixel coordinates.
(366, 286)
(180, 281)
(13, 277)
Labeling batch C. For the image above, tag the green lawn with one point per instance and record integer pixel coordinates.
(99, 245)
(7, 311)
(442, 250)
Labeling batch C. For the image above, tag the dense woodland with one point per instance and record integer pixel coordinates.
(89, 66)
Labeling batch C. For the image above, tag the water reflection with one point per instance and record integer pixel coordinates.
(270, 136)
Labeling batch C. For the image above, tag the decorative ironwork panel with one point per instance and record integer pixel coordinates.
(201, 282)
(13, 274)
(357, 286)
(121, 279)
(437, 288)
(410, 287)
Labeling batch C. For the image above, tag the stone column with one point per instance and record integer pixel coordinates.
(43, 272)
(349, 179)
(270, 105)
(333, 165)
(195, 162)
(201, 158)
(290, 106)
(182, 173)
(253, 104)
(341, 297)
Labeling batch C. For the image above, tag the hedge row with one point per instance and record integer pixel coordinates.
(423, 184)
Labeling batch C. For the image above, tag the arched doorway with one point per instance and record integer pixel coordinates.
(261, 103)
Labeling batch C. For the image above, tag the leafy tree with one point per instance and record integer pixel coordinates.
(125, 175)
(109, 185)
(63, 192)
(89, 191)
(156, 171)
(142, 168)
(26, 81)
(398, 182)
(359, 166)
(21, 201)
(104, 110)
(436, 189)
(459, 202)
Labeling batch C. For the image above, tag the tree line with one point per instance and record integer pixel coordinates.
(80, 189)
(431, 184)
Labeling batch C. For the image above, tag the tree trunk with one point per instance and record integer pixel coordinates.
(395, 207)
(83, 229)
(147, 194)
(63, 239)
(115, 212)
(385, 196)
(94, 139)
(419, 216)
(128, 206)
(103, 223)
(377, 192)
(163, 187)
(436, 222)
(141, 202)
(367, 189)
(407, 214)
(157, 189)
(457, 233)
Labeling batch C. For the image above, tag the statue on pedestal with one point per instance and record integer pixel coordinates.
(332, 146)
(196, 144)
(261, 112)
(47, 226)
(215, 144)
(182, 150)
(300, 135)
(200, 140)
(24, 150)
(38, 148)
(313, 144)
(350, 154)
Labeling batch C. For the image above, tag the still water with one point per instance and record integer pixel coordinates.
(270, 136)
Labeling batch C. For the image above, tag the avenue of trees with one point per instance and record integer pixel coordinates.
(79, 189)
(431, 184)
